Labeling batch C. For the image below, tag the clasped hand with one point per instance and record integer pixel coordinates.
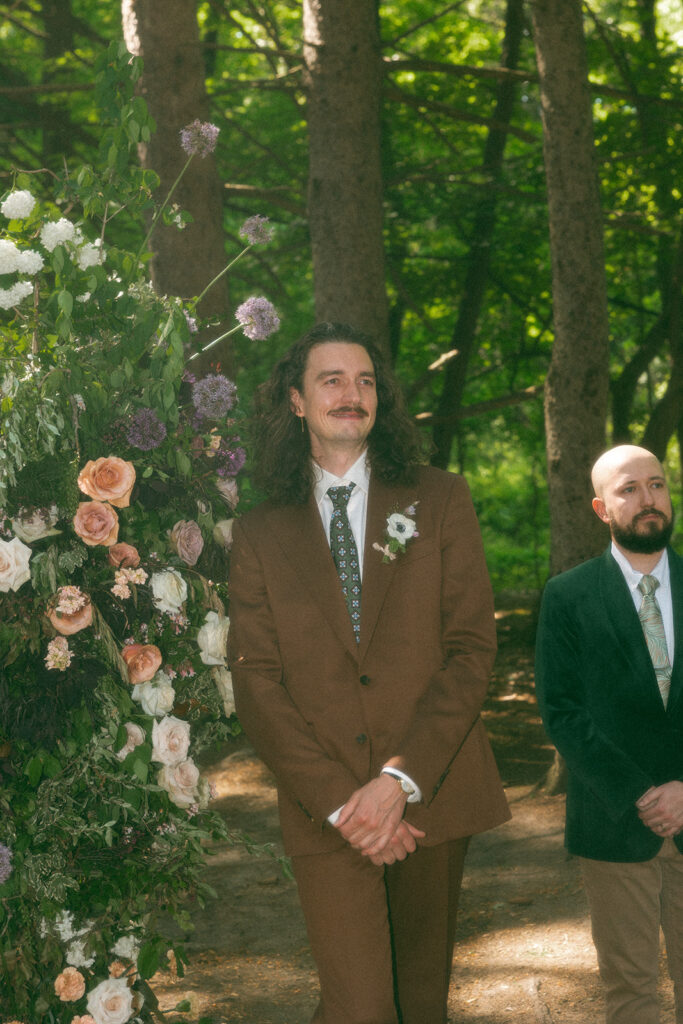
(661, 809)
(371, 821)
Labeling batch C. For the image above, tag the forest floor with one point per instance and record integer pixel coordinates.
(524, 951)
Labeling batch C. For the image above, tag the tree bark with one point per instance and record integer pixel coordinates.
(476, 279)
(576, 389)
(166, 35)
(344, 79)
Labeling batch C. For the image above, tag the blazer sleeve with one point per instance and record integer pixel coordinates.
(274, 725)
(562, 678)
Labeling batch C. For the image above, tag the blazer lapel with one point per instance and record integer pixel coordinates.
(676, 577)
(301, 536)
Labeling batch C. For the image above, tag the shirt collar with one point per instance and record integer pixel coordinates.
(358, 474)
(634, 576)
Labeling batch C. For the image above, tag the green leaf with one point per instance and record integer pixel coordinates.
(34, 769)
(148, 960)
(65, 301)
(141, 770)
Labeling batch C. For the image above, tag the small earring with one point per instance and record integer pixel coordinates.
(303, 429)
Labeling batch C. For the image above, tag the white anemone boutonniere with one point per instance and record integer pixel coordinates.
(401, 528)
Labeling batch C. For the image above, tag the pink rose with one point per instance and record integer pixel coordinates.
(123, 556)
(186, 540)
(110, 479)
(70, 985)
(143, 661)
(96, 523)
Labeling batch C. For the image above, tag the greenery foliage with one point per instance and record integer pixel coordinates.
(117, 489)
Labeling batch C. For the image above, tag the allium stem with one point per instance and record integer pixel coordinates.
(218, 276)
(165, 203)
(215, 340)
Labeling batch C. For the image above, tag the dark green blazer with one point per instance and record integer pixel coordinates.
(601, 706)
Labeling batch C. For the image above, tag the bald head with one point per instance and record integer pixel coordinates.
(623, 461)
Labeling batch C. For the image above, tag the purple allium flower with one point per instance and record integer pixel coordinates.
(213, 396)
(191, 322)
(145, 430)
(5, 865)
(229, 461)
(199, 138)
(256, 230)
(258, 318)
(188, 378)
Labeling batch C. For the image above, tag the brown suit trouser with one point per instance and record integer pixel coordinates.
(628, 903)
(382, 938)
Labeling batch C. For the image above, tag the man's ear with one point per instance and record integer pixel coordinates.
(295, 402)
(600, 510)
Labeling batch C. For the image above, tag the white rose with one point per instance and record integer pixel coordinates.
(222, 533)
(169, 590)
(156, 696)
(36, 526)
(180, 782)
(170, 741)
(111, 1002)
(14, 559)
(222, 677)
(213, 639)
(136, 736)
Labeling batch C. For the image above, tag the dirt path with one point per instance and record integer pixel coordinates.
(524, 951)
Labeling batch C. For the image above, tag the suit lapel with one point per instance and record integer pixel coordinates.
(301, 535)
(676, 577)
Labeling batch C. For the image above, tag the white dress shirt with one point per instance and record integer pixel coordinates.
(357, 511)
(663, 592)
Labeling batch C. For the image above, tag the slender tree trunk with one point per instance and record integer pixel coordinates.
(577, 383)
(576, 388)
(166, 35)
(476, 279)
(344, 79)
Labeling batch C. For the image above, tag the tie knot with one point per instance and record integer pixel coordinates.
(340, 496)
(648, 585)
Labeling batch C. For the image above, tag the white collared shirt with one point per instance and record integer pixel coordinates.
(357, 508)
(663, 592)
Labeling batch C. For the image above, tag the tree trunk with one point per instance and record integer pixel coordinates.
(576, 388)
(166, 35)
(344, 78)
(476, 278)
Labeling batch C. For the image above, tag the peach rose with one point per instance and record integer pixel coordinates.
(186, 539)
(123, 556)
(117, 969)
(143, 661)
(85, 1019)
(110, 479)
(69, 985)
(96, 523)
(67, 624)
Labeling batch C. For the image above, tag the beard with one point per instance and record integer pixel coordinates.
(656, 537)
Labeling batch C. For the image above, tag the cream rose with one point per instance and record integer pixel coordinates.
(157, 696)
(180, 782)
(69, 985)
(170, 741)
(169, 590)
(111, 1002)
(142, 660)
(222, 677)
(14, 559)
(213, 639)
(136, 736)
(222, 533)
(36, 526)
(123, 556)
(109, 479)
(186, 540)
(96, 523)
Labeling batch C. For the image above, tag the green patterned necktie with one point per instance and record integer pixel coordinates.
(345, 553)
(653, 627)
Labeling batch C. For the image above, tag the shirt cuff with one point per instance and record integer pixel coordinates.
(334, 817)
(416, 795)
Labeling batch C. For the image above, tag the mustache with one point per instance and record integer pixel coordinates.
(358, 409)
(649, 512)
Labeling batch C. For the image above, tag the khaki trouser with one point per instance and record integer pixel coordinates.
(628, 904)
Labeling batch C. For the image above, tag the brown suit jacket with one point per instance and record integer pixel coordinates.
(325, 713)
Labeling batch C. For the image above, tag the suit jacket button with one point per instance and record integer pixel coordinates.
(361, 739)
(365, 680)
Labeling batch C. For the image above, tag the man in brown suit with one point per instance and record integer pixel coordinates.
(362, 638)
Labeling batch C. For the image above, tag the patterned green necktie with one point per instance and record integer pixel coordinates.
(345, 553)
(653, 628)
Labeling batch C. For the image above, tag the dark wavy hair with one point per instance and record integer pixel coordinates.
(281, 459)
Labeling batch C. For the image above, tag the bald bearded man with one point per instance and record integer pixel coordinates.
(609, 677)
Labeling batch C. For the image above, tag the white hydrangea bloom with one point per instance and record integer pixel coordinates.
(18, 205)
(89, 255)
(10, 256)
(17, 293)
(56, 232)
(75, 954)
(128, 947)
(30, 262)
